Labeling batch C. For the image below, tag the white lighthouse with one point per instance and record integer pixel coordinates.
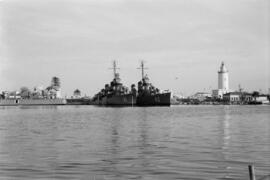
(223, 78)
(223, 82)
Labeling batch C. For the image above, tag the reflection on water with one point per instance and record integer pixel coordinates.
(226, 130)
(87, 142)
(224, 133)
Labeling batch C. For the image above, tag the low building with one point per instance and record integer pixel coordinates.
(218, 93)
(246, 97)
(202, 96)
(53, 93)
(233, 97)
(262, 99)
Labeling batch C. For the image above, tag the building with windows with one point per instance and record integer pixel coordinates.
(232, 97)
(261, 99)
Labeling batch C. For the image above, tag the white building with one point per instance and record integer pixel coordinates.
(223, 82)
(262, 99)
(201, 96)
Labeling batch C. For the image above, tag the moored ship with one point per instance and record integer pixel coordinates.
(39, 96)
(148, 95)
(115, 93)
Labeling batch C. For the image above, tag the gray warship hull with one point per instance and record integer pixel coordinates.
(116, 100)
(162, 99)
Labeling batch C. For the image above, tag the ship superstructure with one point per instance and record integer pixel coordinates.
(115, 93)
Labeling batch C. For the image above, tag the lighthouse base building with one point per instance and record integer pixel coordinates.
(218, 93)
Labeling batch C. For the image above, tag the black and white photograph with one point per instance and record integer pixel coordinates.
(134, 89)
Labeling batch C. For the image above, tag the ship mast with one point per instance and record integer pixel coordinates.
(114, 69)
(142, 68)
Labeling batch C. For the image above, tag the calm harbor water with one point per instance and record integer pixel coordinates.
(153, 143)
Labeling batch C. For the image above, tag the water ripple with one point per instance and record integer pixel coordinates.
(180, 142)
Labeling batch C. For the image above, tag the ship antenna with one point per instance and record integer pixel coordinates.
(142, 68)
(114, 68)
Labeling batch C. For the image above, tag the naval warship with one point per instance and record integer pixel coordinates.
(148, 95)
(115, 93)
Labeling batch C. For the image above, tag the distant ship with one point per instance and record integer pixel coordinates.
(115, 94)
(49, 96)
(148, 95)
(77, 99)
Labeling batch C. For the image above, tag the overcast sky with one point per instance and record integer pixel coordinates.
(182, 41)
